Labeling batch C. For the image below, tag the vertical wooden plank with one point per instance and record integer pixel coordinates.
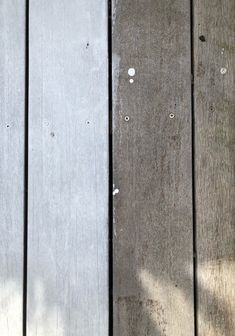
(68, 169)
(153, 248)
(12, 94)
(214, 56)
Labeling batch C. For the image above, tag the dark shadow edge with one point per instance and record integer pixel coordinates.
(195, 279)
(110, 108)
(26, 147)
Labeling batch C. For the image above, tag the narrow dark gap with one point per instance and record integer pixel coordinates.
(26, 141)
(195, 282)
(110, 169)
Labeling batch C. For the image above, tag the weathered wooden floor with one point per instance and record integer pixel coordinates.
(117, 185)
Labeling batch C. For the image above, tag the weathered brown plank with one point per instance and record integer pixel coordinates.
(12, 100)
(214, 148)
(152, 241)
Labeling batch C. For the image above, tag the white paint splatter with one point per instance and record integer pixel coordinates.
(131, 72)
(222, 51)
(223, 71)
(116, 191)
(131, 81)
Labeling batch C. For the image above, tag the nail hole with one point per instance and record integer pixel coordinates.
(88, 122)
(87, 45)
(171, 115)
(127, 118)
(8, 126)
(202, 38)
(52, 134)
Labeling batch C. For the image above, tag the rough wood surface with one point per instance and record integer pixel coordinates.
(12, 94)
(214, 56)
(152, 241)
(68, 169)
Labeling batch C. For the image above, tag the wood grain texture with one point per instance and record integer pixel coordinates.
(68, 169)
(152, 242)
(214, 58)
(12, 96)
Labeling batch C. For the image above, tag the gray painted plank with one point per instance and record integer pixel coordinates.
(68, 169)
(152, 241)
(12, 92)
(214, 144)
